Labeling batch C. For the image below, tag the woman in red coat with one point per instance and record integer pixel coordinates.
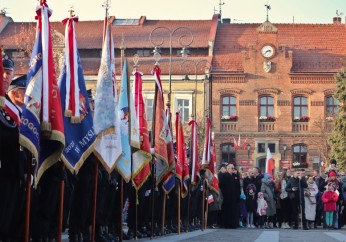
(329, 198)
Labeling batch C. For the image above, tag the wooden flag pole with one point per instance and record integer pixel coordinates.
(178, 197)
(206, 204)
(61, 203)
(93, 223)
(188, 207)
(163, 213)
(136, 220)
(121, 209)
(28, 198)
(152, 197)
(203, 205)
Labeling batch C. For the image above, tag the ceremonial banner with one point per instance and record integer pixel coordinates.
(78, 121)
(124, 163)
(142, 157)
(270, 163)
(207, 159)
(162, 137)
(182, 167)
(2, 89)
(169, 179)
(42, 128)
(106, 118)
(194, 159)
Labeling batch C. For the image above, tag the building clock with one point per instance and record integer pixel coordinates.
(267, 51)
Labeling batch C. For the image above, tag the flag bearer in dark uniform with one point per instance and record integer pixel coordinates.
(10, 162)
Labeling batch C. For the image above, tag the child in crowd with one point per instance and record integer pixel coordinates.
(329, 198)
(251, 204)
(261, 210)
(243, 212)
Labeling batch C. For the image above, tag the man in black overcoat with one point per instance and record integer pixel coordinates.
(230, 188)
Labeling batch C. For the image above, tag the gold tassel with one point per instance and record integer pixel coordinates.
(2, 102)
(46, 129)
(75, 120)
(137, 202)
(68, 113)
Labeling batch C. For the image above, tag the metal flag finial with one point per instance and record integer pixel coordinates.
(268, 8)
(135, 61)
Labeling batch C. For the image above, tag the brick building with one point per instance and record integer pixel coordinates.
(269, 84)
(272, 84)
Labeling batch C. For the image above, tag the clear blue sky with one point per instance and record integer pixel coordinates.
(241, 11)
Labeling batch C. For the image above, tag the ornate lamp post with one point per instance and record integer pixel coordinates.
(207, 66)
(248, 147)
(284, 147)
(185, 39)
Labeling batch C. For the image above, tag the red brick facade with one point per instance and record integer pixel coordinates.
(303, 63)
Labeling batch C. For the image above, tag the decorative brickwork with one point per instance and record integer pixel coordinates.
(284, 103)
(247, 103)
(317, 103)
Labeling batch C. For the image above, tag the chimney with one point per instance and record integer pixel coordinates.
(337, 20)
(226, 20)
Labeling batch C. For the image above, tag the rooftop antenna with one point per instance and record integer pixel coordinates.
(220, 9)
(338, 14)
(268, 8)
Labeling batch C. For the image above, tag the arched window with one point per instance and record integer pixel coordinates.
(299, 156)
(300, 108)
(266, 106)
(229, 106)
(227, 153)
(332, 106)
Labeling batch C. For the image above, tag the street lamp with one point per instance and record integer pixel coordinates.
(207, 66)
(248, 147)
(183, 40)
(284, 147)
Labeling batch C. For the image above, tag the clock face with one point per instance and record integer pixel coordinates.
(267, 51)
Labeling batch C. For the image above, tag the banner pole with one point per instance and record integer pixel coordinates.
(163, 213)
(178, 217)
(93, 224)
(61, 203)
(28, 199)
(121, 209)
(203, 206)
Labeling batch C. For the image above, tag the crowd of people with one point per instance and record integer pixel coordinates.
(290, 199)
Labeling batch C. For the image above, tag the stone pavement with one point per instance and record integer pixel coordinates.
(255, 235)
(250, 235)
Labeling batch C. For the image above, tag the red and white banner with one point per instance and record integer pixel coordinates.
(194, 159)
(270, 164)
(182, 167)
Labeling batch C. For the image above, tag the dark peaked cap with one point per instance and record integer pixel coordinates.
(7, 62)
(19, 82)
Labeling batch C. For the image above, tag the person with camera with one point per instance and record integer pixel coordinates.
(295, 189)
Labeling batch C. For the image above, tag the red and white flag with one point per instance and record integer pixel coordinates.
(244, 144)
(142, 157)
(194, 159)
(270, 164)
(235, 145)
(182, 167)
(208, 157)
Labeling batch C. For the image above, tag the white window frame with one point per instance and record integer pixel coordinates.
(184, 96)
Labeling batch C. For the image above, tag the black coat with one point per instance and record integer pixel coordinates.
(230, 188)
(300, 184)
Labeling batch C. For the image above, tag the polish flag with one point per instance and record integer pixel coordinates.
(270, 165)
(210, 199)
(235, 144)
(244, 144)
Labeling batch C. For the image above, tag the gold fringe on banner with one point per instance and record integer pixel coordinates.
(46, 129)
(68, 113)
(2, 102)
(75, 120)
